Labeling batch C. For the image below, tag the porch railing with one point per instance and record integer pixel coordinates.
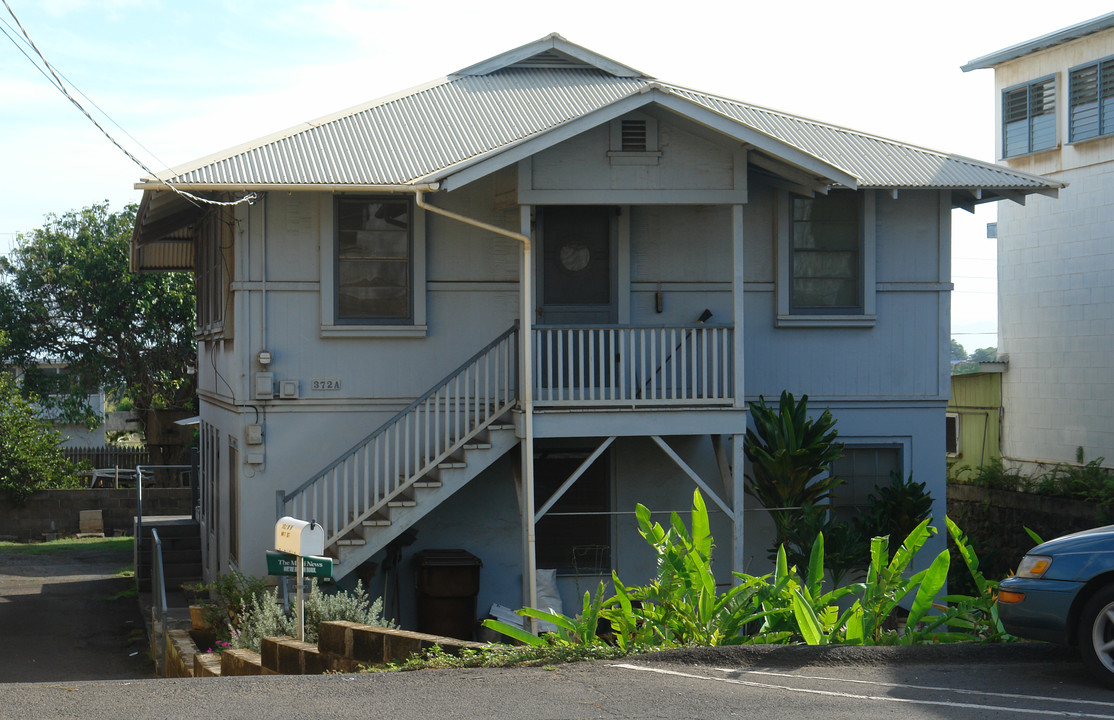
(407, 447)
(633, 365)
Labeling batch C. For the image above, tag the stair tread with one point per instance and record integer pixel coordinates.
(478, 446)
(376, 523)
(402, 503)
(427, 484)
(351, 542)
(451, 465)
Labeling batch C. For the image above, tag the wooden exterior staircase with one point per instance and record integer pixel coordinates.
(392, 478)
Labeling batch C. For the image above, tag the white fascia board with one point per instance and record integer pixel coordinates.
(549, 42)
(485, 165)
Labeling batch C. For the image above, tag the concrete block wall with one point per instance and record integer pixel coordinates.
(60, 510)
(1056, 320)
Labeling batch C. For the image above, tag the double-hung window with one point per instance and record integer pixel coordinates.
(1091, 100)
(826, 258)
(826, 273)
(1029, 117)
(374, 261)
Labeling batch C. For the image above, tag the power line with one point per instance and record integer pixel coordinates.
(55, 80)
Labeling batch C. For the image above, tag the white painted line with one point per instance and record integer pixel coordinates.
(877, 698)
(958, 691)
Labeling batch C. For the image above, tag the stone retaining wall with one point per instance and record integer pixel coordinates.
(342, 647)
(59, 511)
(995, 522)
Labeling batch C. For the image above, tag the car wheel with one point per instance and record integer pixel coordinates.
(1096, 634)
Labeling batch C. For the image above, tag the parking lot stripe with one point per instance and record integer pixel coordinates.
(959, 691)
(875, 698)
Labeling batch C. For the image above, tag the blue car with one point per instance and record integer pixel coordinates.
(1063, 592)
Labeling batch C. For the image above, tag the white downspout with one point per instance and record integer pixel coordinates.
(525, 390)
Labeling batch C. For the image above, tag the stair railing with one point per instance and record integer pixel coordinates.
(382, 466)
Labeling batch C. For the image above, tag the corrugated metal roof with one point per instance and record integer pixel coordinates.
(875, 161)
(1059, 37)
(430, 131)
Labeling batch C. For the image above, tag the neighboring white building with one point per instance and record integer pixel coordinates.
(549, 276)
(74, 435)
(1055, 117)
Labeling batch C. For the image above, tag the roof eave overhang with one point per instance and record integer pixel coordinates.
(821, 174)
(968, 198)
(1052, 39)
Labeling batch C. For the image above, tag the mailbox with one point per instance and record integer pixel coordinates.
(299, 537)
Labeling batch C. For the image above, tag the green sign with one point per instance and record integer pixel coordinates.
(281, 563)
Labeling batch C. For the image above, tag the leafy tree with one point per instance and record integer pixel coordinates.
(67, 293)
(986, 354)
(30, 454)
(958, 353)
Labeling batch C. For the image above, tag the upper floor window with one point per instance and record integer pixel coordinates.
(1029, 117)
(213, 273)
(1091, 100)
(374, 261)
(825, 254)
(825, 259)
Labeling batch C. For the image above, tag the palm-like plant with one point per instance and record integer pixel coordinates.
(788, 452)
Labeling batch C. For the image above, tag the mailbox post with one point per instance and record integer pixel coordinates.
(300, 538)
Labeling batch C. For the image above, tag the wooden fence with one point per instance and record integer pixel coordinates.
(109, 457)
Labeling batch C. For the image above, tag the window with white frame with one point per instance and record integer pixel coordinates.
(1091, 100)
(951, 427)
(374, 261)
(862, 469)
(1029, 117)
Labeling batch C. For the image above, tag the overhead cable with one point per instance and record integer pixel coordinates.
(58, 83)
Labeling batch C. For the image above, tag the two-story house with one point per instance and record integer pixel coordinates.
(1055, 116)
(496, 311)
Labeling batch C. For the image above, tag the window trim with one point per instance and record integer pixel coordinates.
(330, 326)
(1097, 64)
(867, 316)
(1029, 149)
(958, 434)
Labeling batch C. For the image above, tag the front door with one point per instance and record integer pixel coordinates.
(576, 294)
(577, 275)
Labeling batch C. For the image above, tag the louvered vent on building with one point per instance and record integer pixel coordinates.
(634, 136)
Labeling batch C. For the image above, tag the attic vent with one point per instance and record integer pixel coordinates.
(551, 59)
(633, 134)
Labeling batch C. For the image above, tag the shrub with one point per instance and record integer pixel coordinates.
(262, 615)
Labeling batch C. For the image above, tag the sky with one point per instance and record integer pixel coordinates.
(179, 81)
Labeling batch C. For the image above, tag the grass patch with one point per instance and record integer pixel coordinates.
(128, 571)
(66, 545)
(545, 656)
(128, 593)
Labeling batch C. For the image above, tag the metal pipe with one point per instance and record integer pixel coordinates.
(526, 385)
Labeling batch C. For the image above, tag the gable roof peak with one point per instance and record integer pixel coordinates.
(551, 51)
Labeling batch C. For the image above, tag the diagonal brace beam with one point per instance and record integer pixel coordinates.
(573, 478)
(692, 474)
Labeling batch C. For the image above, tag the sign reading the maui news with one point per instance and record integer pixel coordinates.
(281, 563)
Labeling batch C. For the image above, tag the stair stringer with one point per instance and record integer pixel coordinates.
(501, 438)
